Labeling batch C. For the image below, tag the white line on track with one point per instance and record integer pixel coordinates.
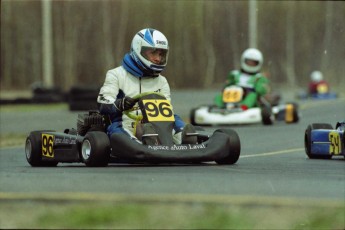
(273, 153)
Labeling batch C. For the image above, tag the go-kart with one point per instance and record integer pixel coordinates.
(90, 144)
(321, 141)
(232, 113)
(322, 93)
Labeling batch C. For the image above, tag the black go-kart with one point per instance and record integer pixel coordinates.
(89, 143)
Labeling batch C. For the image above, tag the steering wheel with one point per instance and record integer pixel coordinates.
(137, 98)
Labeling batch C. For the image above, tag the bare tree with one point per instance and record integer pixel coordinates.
(206, 39)
(290, 33)
(209, 77)
(233, 39)
(66, 46)
(107, 31)
(121, 29)
(327, 35)
(6, 40)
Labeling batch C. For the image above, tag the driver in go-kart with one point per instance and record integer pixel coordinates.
(249, 77)
(317, 84)
(139, 73)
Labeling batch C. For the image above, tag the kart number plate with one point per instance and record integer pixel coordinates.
(232, 94)
(158, 110)
(47, 145)
(335, 146)
(322, 88)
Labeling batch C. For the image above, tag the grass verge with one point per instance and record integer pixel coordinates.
(130, 212)
(11, 140)
(34, 107)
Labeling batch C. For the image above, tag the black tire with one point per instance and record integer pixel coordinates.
(48, 95)
(33, 150)
(235, 147)
(267, 115)
(84, 91)
(82, 98)
(95, 149)
(82, 105)
(307, 140)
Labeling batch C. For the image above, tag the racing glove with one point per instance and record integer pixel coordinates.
(178, 124)
(125, 103)
(244, 107)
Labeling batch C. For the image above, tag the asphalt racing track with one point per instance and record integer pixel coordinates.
(272, 165)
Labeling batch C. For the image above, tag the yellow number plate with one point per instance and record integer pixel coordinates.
(232, 94)
(335, 146)
(322, 88)
(158, 110)
(47, 145)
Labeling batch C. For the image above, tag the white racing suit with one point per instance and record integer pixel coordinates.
(120, 83)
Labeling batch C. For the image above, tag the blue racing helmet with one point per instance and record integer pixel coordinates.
(149, 39)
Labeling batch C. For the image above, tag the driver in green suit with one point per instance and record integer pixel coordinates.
(249, 78)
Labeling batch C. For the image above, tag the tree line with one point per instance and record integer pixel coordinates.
(206, 39)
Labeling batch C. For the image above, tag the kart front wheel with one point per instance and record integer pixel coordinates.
(33, 150)
(267, 115)
(234, 149)
(308, 140)
(95, 149)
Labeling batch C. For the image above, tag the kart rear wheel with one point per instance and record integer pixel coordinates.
(307, 140)
(235, 147)
(267, 115)
(95, 149)
(33, 150)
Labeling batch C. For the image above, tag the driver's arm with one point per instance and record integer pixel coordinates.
(231, 78)
(107, 95)
(110, 89)
(261, 86)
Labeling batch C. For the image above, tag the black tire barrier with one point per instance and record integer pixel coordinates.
(48, 95)
(83, 98)
(40, 95)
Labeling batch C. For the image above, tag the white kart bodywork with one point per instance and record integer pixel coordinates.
(232, 112)
(203, 115)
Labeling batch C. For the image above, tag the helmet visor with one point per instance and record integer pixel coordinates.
(155, 55)
(251, 62)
